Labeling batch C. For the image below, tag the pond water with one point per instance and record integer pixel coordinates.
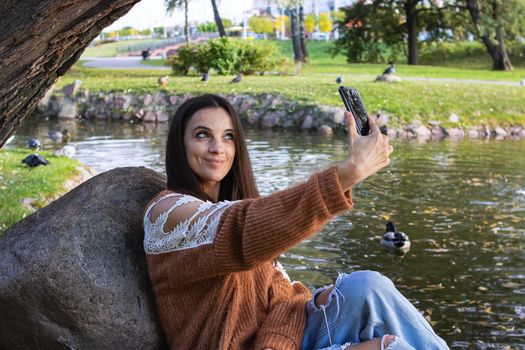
(461, 203)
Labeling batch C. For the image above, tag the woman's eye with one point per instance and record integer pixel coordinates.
(201, 135)
(229, 136)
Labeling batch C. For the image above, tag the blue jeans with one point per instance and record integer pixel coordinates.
(365, 305)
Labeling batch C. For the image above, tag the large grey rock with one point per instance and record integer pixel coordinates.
(423, 132)
(73, 274)
(270, 120)
(69, 109)
(325, 130)
(500, 132)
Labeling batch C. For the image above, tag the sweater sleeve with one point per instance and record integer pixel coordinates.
(253, 231)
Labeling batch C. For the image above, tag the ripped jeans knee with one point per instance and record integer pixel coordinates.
(365, 305)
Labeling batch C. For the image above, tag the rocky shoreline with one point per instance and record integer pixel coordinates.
(263, 111)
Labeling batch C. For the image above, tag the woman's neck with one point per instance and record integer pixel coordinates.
(212, 190)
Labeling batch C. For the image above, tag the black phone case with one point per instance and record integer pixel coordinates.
(354, 104)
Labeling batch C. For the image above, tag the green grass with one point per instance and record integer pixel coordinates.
(110, 49)
(42, 184)
(459, 66)
(424, 100)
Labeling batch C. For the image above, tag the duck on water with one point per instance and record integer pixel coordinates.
(393, 241)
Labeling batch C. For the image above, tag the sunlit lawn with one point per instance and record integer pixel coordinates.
(424, 100)
(40, 184)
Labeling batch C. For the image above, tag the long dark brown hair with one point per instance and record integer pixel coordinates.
(239, 183)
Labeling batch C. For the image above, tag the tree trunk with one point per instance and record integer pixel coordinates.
(296, 40)
(186, 23)
(39, 41)
(302, 35)
(498, 53)
(218, 19)
(411, 15)
(502, 62)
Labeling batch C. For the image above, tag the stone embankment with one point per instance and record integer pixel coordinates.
(266, 111)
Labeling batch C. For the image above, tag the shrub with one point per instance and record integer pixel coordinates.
(228, 56)
(259, 57)
(224, 55)
(183, 60)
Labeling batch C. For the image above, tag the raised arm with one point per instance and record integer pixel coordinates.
(253, 231)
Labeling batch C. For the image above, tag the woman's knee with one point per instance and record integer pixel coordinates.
(364, 282)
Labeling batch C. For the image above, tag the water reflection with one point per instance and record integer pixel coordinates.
(461, 203)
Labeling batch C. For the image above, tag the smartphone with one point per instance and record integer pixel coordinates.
(354, 104)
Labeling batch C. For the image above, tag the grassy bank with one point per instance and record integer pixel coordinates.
(422, 99)
(23, 190)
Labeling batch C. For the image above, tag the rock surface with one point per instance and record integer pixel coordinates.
(73, 275)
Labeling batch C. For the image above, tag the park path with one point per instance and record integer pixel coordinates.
(133, 62)
(127, 62)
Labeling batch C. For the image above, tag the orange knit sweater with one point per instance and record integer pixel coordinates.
(228, 294)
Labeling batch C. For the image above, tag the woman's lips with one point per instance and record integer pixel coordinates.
(215, 162)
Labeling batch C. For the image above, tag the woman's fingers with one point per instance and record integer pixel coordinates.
(372, 123)
(350, 125)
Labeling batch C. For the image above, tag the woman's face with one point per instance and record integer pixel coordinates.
(210, 146)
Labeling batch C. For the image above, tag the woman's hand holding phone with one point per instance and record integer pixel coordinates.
(366, 154)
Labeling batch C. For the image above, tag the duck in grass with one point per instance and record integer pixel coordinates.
(396, 242)
(34, 160)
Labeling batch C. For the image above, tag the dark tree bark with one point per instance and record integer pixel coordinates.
(497, 52)
(39, 41)
(218, 19)
(412, 31)
(302, 35)
(296, 41)
(186, 23)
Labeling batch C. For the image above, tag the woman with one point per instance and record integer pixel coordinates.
(212, 243)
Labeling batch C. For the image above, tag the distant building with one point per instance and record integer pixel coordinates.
(309, 6)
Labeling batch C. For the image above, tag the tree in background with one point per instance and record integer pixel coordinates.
(325, 22)
(369, 34)
(218, 19)
(384, 26)
(227, 22)
(207, 27)
(495, 21)
(296, 40)
(261, 24)
(128, 32)
(279, 22)
(171, 5)
(159, 32)
(309, 23)
(112, 35)
(145, 32)
(411, 18)
(302, 34)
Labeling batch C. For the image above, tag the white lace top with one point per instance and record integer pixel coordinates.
(199, 229)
